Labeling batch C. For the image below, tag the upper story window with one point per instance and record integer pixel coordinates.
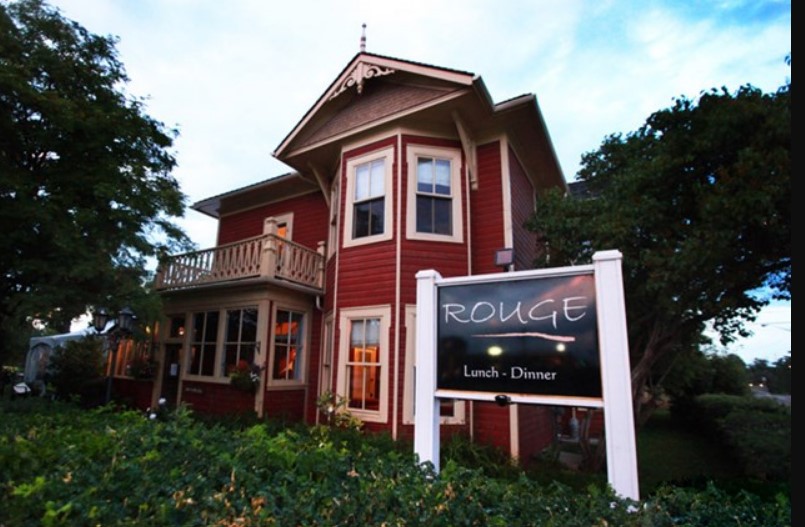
(368, 207)
(370, 199)
(434, 194)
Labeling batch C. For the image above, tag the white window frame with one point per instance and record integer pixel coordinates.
(454, 156)
(387, 155)
(301, 358)
(345, 318)
(219, 375)
(459, 406)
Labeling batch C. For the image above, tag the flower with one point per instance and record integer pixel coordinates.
(245, 376)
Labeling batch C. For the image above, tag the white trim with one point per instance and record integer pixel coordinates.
(395, 398)
(454, 156)
(459, 407)
(514, 427)
(279, 219)
(346, 316)
(385, 154)
(303, 359)
(506, 186)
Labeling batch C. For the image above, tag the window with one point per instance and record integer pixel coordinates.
(451, 411)
(240, 341)
(363, 365)
(203, 342)
(434, 197)
(369, 199)
(220, 339)
(289, 334)
(364, 345)
(368, 209)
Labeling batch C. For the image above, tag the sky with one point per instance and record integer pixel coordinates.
(235, 77)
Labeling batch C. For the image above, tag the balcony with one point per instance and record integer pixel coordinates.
(267, 257)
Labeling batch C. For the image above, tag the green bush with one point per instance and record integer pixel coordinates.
(77, 370)
(67, 466)
(755, 431)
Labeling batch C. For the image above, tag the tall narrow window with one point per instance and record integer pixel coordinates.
(203, 342)
(433, 196)
(288, 346)
(363, 365)
(369, 199)
(241, 337)
(368, 204)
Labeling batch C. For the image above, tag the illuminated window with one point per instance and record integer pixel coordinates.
(364, 361)
(363, 365)
(289, 346)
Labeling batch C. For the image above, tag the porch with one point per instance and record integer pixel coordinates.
(267, 256)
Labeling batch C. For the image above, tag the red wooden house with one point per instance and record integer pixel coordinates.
(399, 166)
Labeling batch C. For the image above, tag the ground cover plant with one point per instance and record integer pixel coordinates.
(63, 465)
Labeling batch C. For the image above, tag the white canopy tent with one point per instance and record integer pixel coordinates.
(40, 350)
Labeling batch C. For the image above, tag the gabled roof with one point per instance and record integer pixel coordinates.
(426, 85)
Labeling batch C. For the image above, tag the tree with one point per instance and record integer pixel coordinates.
(698, 201)
(86, 191)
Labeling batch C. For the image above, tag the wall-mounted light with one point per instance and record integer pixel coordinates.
(504, 258)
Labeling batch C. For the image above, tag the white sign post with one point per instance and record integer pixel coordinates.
(613, 353)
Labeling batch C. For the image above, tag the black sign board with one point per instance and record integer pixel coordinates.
(534, 336)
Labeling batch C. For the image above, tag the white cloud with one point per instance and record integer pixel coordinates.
(235, 77)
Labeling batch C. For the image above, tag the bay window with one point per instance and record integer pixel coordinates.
(289, 346)
(434, 194)
(368, 217)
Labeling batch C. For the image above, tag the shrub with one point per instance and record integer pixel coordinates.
(67, 466)
(77, 370)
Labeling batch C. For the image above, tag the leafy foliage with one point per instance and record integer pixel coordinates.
(86, 191)
(62, 466)
(77, 369)
(698, 201)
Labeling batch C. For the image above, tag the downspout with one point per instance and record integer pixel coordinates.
(395, 396)
(468, 223)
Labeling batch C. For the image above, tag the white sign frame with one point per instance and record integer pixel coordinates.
(616, 381)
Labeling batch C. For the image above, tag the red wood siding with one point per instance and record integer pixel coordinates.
(285, 405)
(492, 425)
(449, 259)
(522, 206)
(310, 220)
(486, 210)
(133, 393)
(216, 399)
(535, 430)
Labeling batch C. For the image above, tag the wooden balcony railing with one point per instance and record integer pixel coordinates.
(265, 256)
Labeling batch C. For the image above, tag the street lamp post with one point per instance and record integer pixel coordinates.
(124, 324)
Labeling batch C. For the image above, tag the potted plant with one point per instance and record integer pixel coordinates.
(245, 376)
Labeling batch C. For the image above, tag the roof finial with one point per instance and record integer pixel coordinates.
(363, 38)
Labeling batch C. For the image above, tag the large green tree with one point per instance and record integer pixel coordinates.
(86, 191)
(698, 201)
